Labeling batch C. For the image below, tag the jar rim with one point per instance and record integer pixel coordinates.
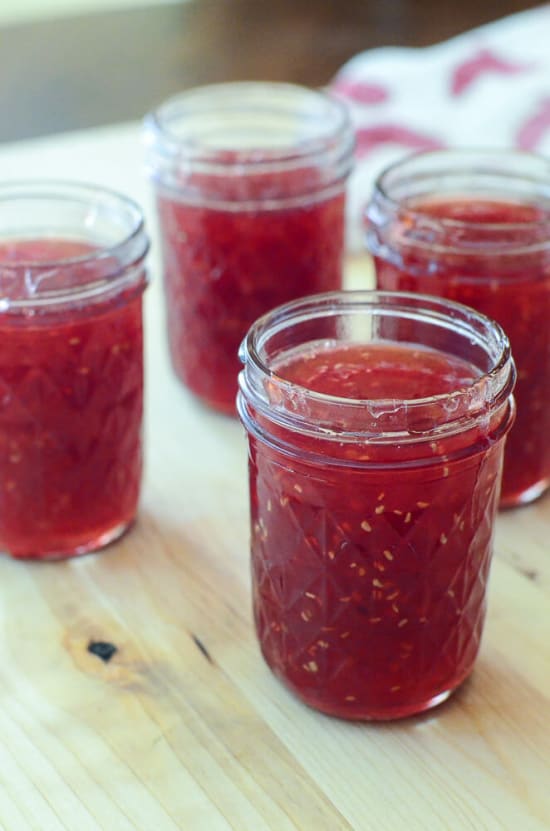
(165, 146)
(127, 252)
(490, 389)
(475, 160)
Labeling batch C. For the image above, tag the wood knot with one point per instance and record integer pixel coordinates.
(103, 650)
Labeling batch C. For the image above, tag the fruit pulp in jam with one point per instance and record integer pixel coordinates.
(370, 565)
(71, 394)
(228, 262)
(511, 288)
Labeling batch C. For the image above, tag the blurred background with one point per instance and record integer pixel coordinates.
(70, 64)
(20, 11)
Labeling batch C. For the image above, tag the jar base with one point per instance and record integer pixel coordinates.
(517, 500)
(358, 713)
(221, 407)
(213, 405)
(400, 712)
(89, 547)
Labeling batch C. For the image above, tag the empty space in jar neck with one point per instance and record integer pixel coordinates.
(278, 138)
(263, 121)
(466, 201)
(60, 241)
(475, 350)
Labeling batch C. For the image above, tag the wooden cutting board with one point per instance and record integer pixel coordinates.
(185, 728)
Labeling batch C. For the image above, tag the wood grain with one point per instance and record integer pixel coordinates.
(184, 727)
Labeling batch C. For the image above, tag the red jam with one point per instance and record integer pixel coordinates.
(512, 288)
(71, 409)
(225, 266)
(370, 565)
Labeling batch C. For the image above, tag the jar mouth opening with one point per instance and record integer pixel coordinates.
(75, 192)
(249, 128)
(28, 215)
(298, 407)
(510, 168)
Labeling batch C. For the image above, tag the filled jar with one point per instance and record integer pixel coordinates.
(376, 425)
(72, 277)
(475, 227)
(249, 181)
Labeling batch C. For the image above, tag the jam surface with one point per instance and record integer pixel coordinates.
(370, 565)
(71, 394)
(513, 289)
(227, 264)
(377, 371)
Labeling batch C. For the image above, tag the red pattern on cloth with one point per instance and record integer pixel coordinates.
(361, 92)
(484, 62)
(368, 138)
(486, 88)
(534, 128)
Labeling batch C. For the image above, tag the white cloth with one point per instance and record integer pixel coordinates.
(489, 87)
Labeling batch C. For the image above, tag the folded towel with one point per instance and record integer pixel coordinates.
(489, 87)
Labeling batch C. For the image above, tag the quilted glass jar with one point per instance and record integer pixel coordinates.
(71, 367)
(376, 425)
(249, 180)
(475, 227)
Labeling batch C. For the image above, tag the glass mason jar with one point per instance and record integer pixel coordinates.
(71, 367)
(376, 425)
(475, 227)
(250, 186)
